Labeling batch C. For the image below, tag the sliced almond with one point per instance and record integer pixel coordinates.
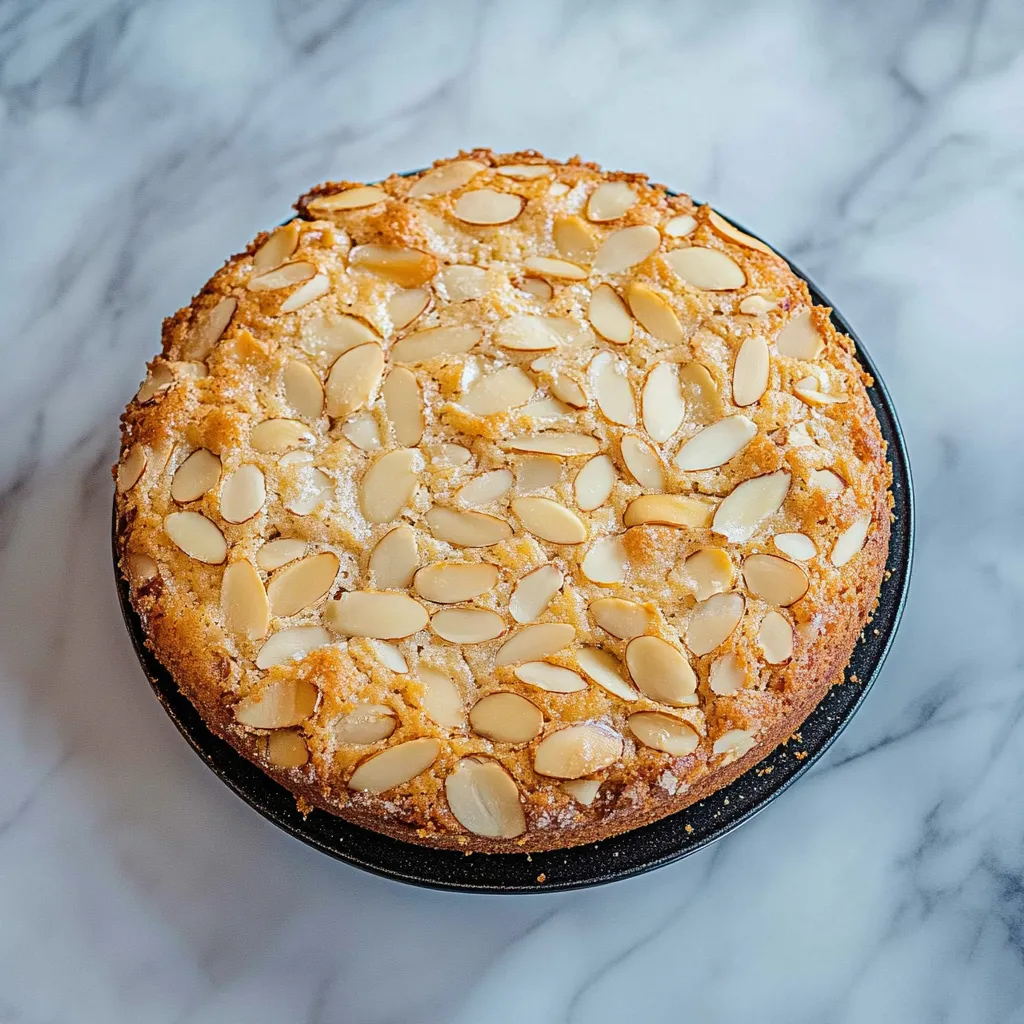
(242, 494)
(776, 638)
(749, 503)
(445, 178)
(462, 283)
(281, 703)
(406, 304)
(775, 580)
(389, 485)
(800, 339)
(484, 799)
(707, 269)
(209, 328)
(277, 248)
(506, 718)
(757, 305)
(389, 656)
(195, 476)
(455, 454)
(525, 332)
(331, 338)
(434, 342)
(286, 644)
(573, 238)
(357, 198)
(394, 559)
(485, 206)
(734, 744)
(395, 765)
(276, 436)
(243, 601)
(315, 487)
(708, 571)
(409, 268)
(826, 480)
(605, 563)
(549, 266)
(750, 373)
(467, 625)
(575, 751)
(727, 675)
(643, 462)
(606, 670)
(610, 200)
(626, 248)
(712, 622)
(287, 749)
(534, 592)
(499, 391)
(382, 616)
(566, 390)
(700, 393)
(141, 569)
(621, 618)
(404, 406)
(796, 545)
(306, 293)
(276, 553)
(467, 529)
(353, 380)
(538, 288)
(442, 699)
(661, 671)
(608, 315)
(301, 584)
(668, 510)
(486, 488)
(612, 389)
(716, 445)
(799, 436)
(303, 390)
(680, 226)
(552, 678)
(655, 315)
(664, 733)
(809, 390)
(546, 409)
(535, 643)
(526, 171)
(452, 582)
(594, 482)
(197, 536)
(549, 520)
(850, 541)
(160, 376)
(662, 402)
(537, 472)
(731, 233)
(362, 430)
(552, 442)
(368, 723)
(583, 791)
(282, 277)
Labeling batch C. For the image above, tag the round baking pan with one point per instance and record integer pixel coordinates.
(621, 856)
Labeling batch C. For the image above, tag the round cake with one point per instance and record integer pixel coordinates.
(504, 506)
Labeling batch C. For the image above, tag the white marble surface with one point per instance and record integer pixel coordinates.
(879, 143)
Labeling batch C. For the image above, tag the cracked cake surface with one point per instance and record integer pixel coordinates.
(504, 506)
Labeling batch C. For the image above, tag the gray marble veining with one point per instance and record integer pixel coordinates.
(879, 143)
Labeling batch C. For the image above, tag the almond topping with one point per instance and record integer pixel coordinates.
(276, 553)
(624, 619)
(538, 288)
(573, 238)
(462, 283)
(276, 436)
(281, 703)
(608, 315)
(708, 571)
(551, 442)
(405, 305)
(353, 380)
(134, 464)
(712, 622)
(734, 744)
(534, 643)
(583, 791)
(210, 327)
(655, 315)
(661, 671)
(796, 545)
(302, 584)
(809, 390)
(314, 486)
(277, 248)
(389, 485)
(445, 179)
(286, 644)
(197, 537)
(850, 541)
(549, 520)
(551, 267)
(441, 699)
(716, 445)
(681, 226)
(524, 170)
(525, 332)
(731, 233)
(612, 389)
(776, 638)
(484, 799)
(242, 494)
(662, 402)
(707, 269)
(575, 751)
(727, 675)
(404, 406)
(499, 391)
(700, 393)
(506, 718)
(486, 488)
(826, 480)
(379, 615)
(243, 601)
(668, 510)
(643, 462)
(282, 277)
(389, 656)
(799, 437)
(141, 569)
(534, 592)
(368, 723)
(195, 476)
(331, 338)
(625, 248)
(422, 346)
(749, 503)
(394, 559)
(537, 472)
(451, 582)
(485, 206)
(409, 268)
(664, 733)
(551, 678)
(287, 749)
(467, 625)
(350, 199)
(363, 432)
(313, 289)
(303, 390)
(610, 200)
(467, 529)
(775, 580)
(606, 670)
(750, 373)
(605, 563)
(395, 765)
(800, 339)
(757, 305)
(594, 482)
(565, 389)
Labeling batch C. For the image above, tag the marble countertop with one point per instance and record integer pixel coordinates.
(880, 144)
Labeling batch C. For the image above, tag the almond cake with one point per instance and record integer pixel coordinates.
(504, 506)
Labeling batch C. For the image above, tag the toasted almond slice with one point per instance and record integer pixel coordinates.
(306, 293)
(850, 541)
(750, 373)
(546, 409)
(209, 328)
(549, 520)
(605, 563)
(594, 482)
(526, 171)
(316, 487)
(282, 277)
(301, 584)
(731, 233)
(626, 248)
(583, 791)
(549, 266)
(727, 675)
(133, 465)
(734, 744)
(703, 402)
(776, 638)
(534, 592)
(826, 480)
(197, 536)
(452, 582)
(442, 699)
(526, 332)
(485, 206)
(287, 749)
(434, 342)
(389, 656)
(467, 529)
(537, 472)
(242, 494)
(655, 315)
(486, 488)
(395, 765)
(612, 389)
(608, 315)
(276, 553)
(159, 377)
(445, 178)
(382, 616)
(286, 644)
(331, 338)
(775, 580)
(799, 437)
(708, 571)
(277, 248)
(535, 643)
(716, 445)
(538, 288)
(575, 751)
(800, 339)
(552, 678)
(610, 200)
(707, 269)
(484, 799)
(368, 723)
(353, 380)
(606, 670)
(394, 559)
(409, 268)
(643, 462)
(389, 485)
(796, 545)
(195, 476)
(362, 430)
(243, 601)
(566, 390)
(552, 442)
(749, 503)
(662, 402)
(462, 283)
(621, 618)
(668, 510)
(506, 718)
(141, 569)
(404, 406)
(281, 703)
(357, 198)
(661, 671)
(680, 226)
(499, 391)
(573, 238)
(276, 436)
(757, 305)
(808, 390)
(663, 732)
(405, 305)
(455, 454)
(303, 390)
(712, 622)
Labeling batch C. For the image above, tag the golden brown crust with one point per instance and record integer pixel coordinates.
(210, 388)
